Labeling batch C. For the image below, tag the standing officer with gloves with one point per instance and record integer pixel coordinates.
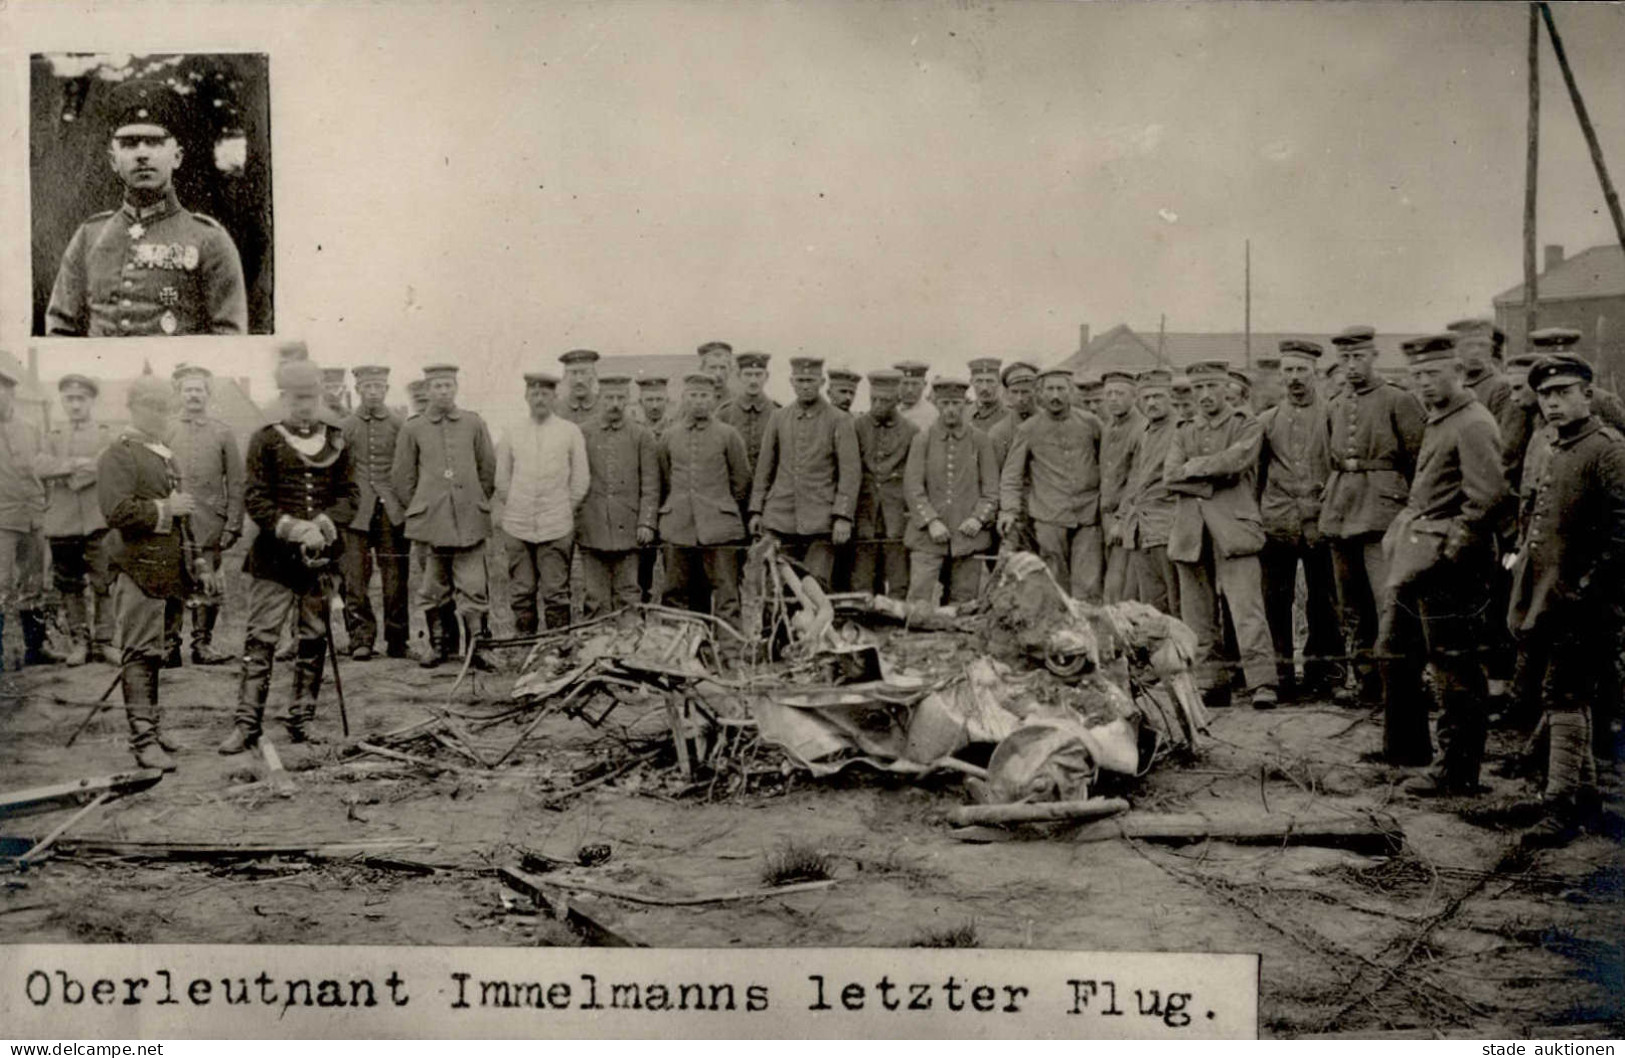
(300, 490)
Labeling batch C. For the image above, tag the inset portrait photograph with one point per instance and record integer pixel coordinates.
(151, 194)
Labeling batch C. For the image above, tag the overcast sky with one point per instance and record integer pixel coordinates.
(498, 183)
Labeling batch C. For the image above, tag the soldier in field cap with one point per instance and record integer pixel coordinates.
(912, 404)
(149, 267)
(444, 473)
(73, 519)
(952, 487)
(542, 481)
(988, 408)
(580, 401)
(843, 388)
(750, 411)
(704, 486)
(377, 534)
(880, 561)
(1147, 508)
(717, 360)
(617, 516)
(1267, 383)
(1295, 462)
(1440, 549)
(1480, 344)
(1374, 433)
(1123, 425)
(808, 474)
(211, 469)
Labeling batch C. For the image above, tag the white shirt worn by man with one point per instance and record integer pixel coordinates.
(542, 473)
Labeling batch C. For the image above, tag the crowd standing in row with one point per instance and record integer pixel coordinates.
(1479, 504)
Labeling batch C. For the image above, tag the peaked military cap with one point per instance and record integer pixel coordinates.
(144, 101)
(82, 381)
(1267, 363)
(1241, 378)
(1116, 375)
(752, 359)
(1479, 326)
(417, 385)
(370, 373)
(190, 371)
(984, 363)
(615, 382)
(1300, 348)
(912, 368)
(715, 347)
(699, 378)
(1359, 336)
(292, 350)
(1182, 385)
(844, 374)
(1208, 368)
(333, 374)
(1087, 383)
(1554, 338)
(1429, 347)
(579, 356)
(949, 387)
(541, 378)
(440, 370)
(806, 365)
(1154, 378)
(1018, 371)
(652, 381)
(1561, 369)
(885, 378)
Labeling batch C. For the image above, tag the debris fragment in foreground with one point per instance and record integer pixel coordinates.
(1378, 835)
(35, 799)
(1045, 812)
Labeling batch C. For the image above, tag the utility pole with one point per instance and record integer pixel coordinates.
(1531, 292)
(1247, 317)
(1608, 193)
(1162, 331)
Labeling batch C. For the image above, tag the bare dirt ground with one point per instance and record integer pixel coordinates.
(1452, 937)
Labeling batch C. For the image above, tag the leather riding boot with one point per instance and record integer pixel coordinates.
(436, 652)
(481, 631)
(141, 710)
(203, 651)
(104, 625)
(307, 684)
(452, 630)
(252, 691)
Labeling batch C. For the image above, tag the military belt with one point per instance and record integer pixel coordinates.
(1356, 466)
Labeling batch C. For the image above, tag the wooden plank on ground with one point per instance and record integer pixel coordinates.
(15, 803)
(597, 924)
(1376, 835)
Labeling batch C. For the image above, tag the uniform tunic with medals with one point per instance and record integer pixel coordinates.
(145, 270)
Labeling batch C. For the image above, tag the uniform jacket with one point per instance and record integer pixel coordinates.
(134, 475)
(22, 497)
(283, 482)
(1492, 390)
(211, 470)
(1147, 510)
(1053, 470)
(624, 491)
(985, 416)
(1117, 442)
(882, 511)
(1294, 463)
(808, 472)
(951, 476)
(704, 483)
(1455, 497)
(1373, 435)
(1571, 552)
(1517, 422)
(750, 418)
(445, 472)
(67, 466)
(155, 269)
(1212, 470)
(1003, 435)
(371, 437)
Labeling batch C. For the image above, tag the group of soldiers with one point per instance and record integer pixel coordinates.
(1479, 504)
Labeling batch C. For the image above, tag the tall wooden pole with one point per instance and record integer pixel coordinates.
(1162, 332)
(1247, 318)
(1608, 193)
(1531, 174)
